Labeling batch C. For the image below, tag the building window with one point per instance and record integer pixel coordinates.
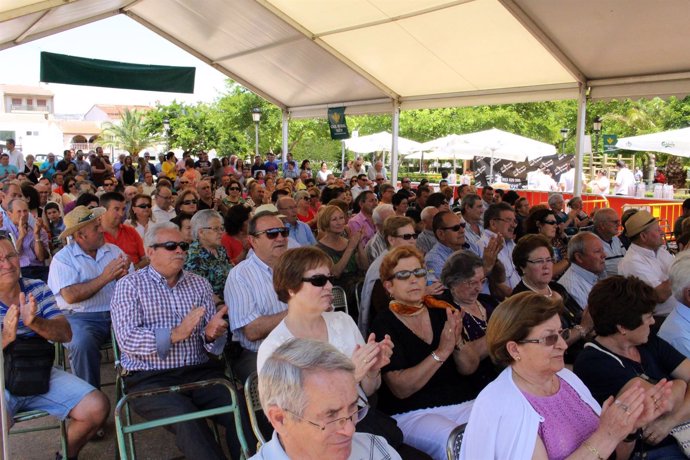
(29, 102)
(16, 101)
(35, 133)
(41, 102)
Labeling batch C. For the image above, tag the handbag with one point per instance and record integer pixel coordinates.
(28, 363)
(681, 433)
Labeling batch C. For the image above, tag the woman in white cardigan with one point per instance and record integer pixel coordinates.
(536, 409)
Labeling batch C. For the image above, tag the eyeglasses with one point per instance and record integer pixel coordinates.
(549, 340)
(405, 274)
(550, 222)
(319, 280)
(408, 236)
(380, 179)
(215, 229)
(548, 260)
(474, 283)
(313, 196)
(506, 220)
(9, 257)
(406, 182)
(234, 189)
(455, 228)
(337, 424)
(143, 206)
(189, 202)
(108, 184)
(272, 233)
(171, 245)
(184, 183)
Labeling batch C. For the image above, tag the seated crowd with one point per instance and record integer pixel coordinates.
(546, 332)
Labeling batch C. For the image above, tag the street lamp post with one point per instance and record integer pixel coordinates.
(166, 128)
(596, 127)
(564, 134)
(256, 116)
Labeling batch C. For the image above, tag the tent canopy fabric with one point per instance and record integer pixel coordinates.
(73, 70)
(380, 142)
(374, 56)
(674, 142)
(492, 143)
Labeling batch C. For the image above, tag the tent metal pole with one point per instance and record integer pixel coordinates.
(286, 126)
(342, 156)
(394, 146)
(580, 138)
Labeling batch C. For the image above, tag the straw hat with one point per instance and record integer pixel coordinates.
(80, 217)
(638, 223)
(268, 208)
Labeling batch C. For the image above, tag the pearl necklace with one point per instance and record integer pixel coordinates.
(533, 289)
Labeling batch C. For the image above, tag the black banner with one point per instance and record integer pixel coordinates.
(515, 173)
(337, 123)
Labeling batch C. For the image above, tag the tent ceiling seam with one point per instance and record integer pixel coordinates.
(554, 50)
(328, 48)
(652, 78)
(24, 34)
(260, 48)
(131, 14)
(32, 8)
(393, 19)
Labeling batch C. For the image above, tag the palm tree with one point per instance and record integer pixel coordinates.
(130, 134)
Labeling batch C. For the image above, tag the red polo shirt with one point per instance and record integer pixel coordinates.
(129, 241)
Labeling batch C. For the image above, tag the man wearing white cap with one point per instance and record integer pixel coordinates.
(648, 259)
(82, 277)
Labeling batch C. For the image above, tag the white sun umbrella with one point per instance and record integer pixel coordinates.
(674, 142)
(380, 142)
(452, 146)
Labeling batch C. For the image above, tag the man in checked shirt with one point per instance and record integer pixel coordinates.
(165, 323)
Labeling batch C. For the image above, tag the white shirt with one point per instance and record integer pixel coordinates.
(342, 334)
(624, 179)
(652, 267)
(614, 251)
(160, 215)
(505, 256)
(567, 179)
(17, 159)
(372, 173)
(365, 446)
(579, 283)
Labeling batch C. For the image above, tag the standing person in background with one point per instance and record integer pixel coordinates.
(31, 169)
(624, 179)
(322, 174)
(601, 184)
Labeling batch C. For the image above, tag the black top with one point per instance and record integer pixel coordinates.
(605, 375)
(474, 328)
(444, 388)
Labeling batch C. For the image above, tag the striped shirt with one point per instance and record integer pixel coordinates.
(71, 265)
(45, 304)
(144, 311)
(249, 294)
(614, 251)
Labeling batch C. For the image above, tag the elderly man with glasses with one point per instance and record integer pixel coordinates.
(166, 324)
(163, 209)
(587, 266)
(606, 227)
(449, 229)
(252, 302)
(308, 393)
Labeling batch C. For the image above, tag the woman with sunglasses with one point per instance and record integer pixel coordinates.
(348, 256)
(206, 255)
(537, 409)
(543, 221)
(140, 214)
(304, 211)
(533, 259)
(463, 277)
(233, 196)
(187, 202)
(424, 388)
(71, 189)
(626, 353)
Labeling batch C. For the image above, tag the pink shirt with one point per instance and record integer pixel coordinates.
(361, 221)
(568, 420)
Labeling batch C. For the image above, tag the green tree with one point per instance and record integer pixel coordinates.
(130, 134)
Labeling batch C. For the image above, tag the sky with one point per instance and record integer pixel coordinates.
(118, 38)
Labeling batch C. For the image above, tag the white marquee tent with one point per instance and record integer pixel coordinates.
(674, 142)
(380, 142)
(375, 56)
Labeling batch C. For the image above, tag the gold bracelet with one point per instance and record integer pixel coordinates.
(593, 450)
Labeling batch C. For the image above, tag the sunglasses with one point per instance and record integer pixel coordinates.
(549, 222)
(171, 245)
(319, 280)
(236, 189)
(549, 340)
(455, 228)
(405, 274)
(190, 202)
(408, 236)
(272, 233)
(143, 206)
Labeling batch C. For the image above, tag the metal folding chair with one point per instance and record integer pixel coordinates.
(339, 300)
(455, 442)
(35, 414)
(251, 396)
(126, 429)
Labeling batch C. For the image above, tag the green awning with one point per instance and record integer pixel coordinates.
(74, 70)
